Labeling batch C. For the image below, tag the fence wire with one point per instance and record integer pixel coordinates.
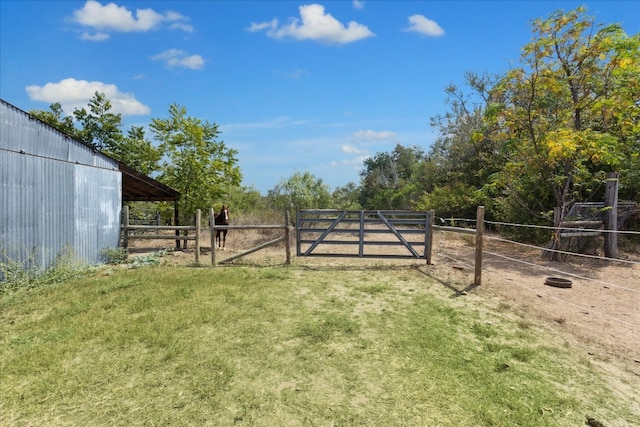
(554, 270)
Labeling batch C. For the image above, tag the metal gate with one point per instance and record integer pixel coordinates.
(364, 234)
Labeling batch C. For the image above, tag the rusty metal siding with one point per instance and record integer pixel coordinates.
(56, 194)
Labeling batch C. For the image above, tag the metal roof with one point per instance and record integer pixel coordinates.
(138, 187)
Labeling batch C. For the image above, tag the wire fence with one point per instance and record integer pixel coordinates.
(514, 252)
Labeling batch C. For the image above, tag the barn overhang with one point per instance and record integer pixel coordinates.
(137, 187)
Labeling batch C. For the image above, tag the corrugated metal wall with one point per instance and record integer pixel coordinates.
(55, 193)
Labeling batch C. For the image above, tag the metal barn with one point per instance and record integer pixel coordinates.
(59, 194)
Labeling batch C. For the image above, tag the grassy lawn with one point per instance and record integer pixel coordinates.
(285, 347)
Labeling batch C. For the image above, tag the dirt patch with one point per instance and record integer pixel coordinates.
(601, 310)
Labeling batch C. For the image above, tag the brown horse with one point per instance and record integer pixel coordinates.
(222, 219)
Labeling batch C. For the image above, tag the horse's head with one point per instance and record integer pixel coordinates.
(224, 213)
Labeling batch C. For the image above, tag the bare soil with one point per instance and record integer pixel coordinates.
(600, 311)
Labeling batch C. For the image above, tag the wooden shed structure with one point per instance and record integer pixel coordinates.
(59, 194)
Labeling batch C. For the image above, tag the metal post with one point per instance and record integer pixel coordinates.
(287, 242)
(429, 235)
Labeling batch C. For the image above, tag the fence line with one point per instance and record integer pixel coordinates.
(624, 261)
(197, 229)
(549, 227)
(556, 270)
(544, 267)
(287, 229)
(479, 249)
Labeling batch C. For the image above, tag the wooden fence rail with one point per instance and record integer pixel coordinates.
(286, 238)
(128, 229)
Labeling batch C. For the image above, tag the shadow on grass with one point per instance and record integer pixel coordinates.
(457, 292)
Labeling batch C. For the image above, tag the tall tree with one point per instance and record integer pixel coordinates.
(392, 180)
(565, 114)
(198, 165)
(137, 152)
(56, 118)
(462, 152)
(102, 129)
(98, 126)
(347, 197)
(463, 157)
(299, 191)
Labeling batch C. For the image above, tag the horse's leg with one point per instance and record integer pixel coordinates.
(217, 239)
(224, 239)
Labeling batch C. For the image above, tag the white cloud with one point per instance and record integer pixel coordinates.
(182, 26)
(277, 123)
(355, 163)
(422, 25)
(273, 24)
(97, 37)
(350, 149)
(370, 134)
(315, 25)
(72, 94)
(179, 58)
(112, 17)
(358, 4)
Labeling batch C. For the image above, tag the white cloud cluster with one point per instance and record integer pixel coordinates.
(179, 58)
(314, 24)
(374, 135)
(358, 4)
(72, 94)
(111, 17)
(425, 26)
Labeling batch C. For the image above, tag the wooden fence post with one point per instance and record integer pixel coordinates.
(176, 222)
(125, 226)
(611, 216)
(198, 218)
(479, 239)
(212, 231)
(287, 242)
(556, 244)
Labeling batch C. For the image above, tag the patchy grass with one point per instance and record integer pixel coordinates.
(277, 346)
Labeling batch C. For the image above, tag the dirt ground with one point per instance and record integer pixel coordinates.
(600, 311)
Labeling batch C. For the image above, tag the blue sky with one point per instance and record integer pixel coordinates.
(294, 86)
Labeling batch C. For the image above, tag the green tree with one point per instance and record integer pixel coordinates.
(299, 191)
(461, 160)
(198, 165)
(103, 130)
(393, 180)
(460, 153)
(248, 203)
(56, 118)
(137, 152)
(567, 112)
(347, 197)
(99, 127)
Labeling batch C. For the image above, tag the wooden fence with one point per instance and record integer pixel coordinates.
(128, 229)
(182, 232)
